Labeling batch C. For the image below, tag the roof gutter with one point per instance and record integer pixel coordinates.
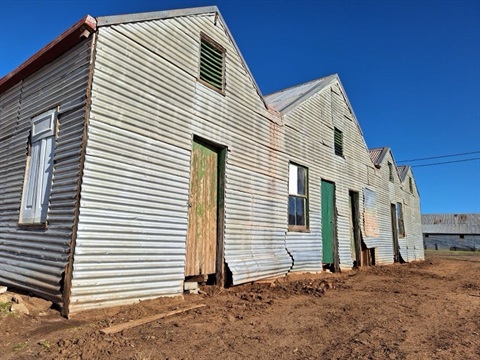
(82, 29)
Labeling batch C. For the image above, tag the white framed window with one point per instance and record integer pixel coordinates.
(39, 169)
(297, 198)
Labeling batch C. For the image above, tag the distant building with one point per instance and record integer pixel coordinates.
(451, 231)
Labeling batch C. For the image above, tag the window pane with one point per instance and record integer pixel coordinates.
(292, 179)
(301, 181)
(300, 211)
(291, 210)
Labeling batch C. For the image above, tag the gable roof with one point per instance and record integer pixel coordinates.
(75, 34)
(287, 99)
(403, 171)
(451, 224)
(69, 38)
(168, 14)
(378, 154)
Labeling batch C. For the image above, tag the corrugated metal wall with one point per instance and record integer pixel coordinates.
(452, 242)
(309, 137)
(146, 107)
(413, 220)
(34, 260)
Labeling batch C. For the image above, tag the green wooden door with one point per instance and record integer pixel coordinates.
(202, 216)
(328, 223)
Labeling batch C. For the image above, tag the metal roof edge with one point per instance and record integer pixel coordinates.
(49, 52)
(286, 109)
(452, 214)
(168, 14)
(344, 93)
(154, 15)
(242, 59)
(404, 173)
(384, 153)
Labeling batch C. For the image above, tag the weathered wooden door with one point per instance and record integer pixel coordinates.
(355, 239)
(361, 255)
(396, 249)
(328, 221)
(202, 216)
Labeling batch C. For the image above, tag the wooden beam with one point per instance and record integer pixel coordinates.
(120, 327)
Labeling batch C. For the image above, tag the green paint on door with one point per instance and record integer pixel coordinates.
(202, 220)
(328, 206)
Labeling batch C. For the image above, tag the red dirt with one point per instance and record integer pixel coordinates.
(427, 310)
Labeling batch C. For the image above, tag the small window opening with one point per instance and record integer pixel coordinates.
(462, 236)
(390, 171)
(410, 184)
(338, 140)
(212, 63)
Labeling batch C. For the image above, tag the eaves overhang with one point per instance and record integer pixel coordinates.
(76, 33)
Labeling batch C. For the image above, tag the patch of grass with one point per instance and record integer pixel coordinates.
(45, 343)
(19, 346)
(5, 308)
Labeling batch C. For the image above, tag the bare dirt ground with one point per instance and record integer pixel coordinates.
(427, 310)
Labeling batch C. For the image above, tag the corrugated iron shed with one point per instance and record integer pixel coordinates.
(451, 224)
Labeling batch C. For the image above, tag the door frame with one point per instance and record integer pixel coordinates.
(336, 258)
(354, 197)
(220, 266)
(393, 217)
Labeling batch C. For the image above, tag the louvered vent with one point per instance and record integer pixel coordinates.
(338, 138)
(212, 63)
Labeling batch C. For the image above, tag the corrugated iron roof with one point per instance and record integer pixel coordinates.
(71, 37)
(378, 154)
(49, 52)
(451, 224)
(154, 15)
(403, 171)
(286, 99)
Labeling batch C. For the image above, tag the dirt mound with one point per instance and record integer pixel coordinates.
(405, 311)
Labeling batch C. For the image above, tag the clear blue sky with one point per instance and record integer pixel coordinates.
(411, 69)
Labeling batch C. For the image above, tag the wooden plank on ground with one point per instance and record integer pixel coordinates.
(120, 327)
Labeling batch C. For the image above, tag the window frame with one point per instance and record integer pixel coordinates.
(38, 176)
(338, 133)
(205, 38)
(294, 227)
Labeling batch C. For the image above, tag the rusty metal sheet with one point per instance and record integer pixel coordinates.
(370, 219)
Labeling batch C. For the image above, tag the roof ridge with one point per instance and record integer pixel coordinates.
(301, 84)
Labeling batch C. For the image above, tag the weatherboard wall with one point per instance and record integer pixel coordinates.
(33, 259)
(147, 106)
